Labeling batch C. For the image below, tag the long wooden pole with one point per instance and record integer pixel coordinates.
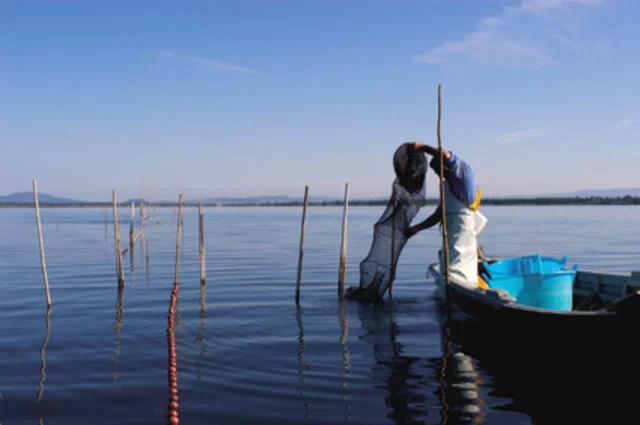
(116, 231)
(302, 230)
(42, 261)
(141, 205)
(201, 238)
(132, 230)
(343, 251)
(179, 234)
(445, 238)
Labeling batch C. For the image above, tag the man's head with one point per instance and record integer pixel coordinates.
(410, 167)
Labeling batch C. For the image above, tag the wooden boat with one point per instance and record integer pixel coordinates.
(578, 366)
(619, 295)
(604, 333)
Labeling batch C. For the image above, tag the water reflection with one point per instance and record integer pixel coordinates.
(43, 364)
(147, 260)
(133, 274)
(302, 367)
(141, 237)
(203, 302)
(346, 360)
(201, 334)
(132, 246)
(459, 389)
(551, 378)
(117, 327)
(395, 369)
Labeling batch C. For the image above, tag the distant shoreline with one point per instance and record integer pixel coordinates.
(540, 201)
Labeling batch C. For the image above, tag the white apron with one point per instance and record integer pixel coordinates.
(463, 227)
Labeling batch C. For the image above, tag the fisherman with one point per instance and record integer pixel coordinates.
(464, 222)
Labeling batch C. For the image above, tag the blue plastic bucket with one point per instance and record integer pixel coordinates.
(530, 264)
(535, 281)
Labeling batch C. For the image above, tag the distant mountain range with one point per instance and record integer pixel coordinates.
(605, 193)
(587, 193)
(277, 199)
(43, 198)
(247, 200)
(27, 198)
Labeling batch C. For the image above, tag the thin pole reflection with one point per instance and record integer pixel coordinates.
(395, 370)
(302, 367)
(203, 303)
(141, 245)
(459, 382)
(42, 354)
(200, 339)
(147, 259)
(446, 355)
(133, 265)
(346, 360)
(117, 327)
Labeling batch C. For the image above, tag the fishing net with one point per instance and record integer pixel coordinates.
(377, 270)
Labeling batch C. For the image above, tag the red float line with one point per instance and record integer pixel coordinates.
(173, 366)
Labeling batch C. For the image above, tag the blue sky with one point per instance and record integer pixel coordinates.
(215, 98)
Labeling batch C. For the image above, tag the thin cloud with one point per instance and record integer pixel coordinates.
(518, 136)
(204, 62)
(622, 124)
(537, 6)
(490, 46)
(516, 38)
(167, 53)
(602, 47)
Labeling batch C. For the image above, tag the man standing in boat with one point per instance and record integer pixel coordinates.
(464, 222)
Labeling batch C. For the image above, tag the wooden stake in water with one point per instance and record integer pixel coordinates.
(116, 231)
(106, 235)
(141, 204)
(42, 261)
(343, 250)
(179, 234)
(201, 233)
(132, 236)
(445, 239)
(302, 230)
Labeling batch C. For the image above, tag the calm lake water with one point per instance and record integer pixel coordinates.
(251, 356)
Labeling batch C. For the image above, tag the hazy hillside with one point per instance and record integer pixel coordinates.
(27, 197)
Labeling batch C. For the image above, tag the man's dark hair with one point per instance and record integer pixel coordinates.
(410, 166)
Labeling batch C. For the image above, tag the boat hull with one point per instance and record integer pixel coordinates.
(565, 366)
(530, 328)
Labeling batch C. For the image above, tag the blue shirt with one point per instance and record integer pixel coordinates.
(461, 179)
